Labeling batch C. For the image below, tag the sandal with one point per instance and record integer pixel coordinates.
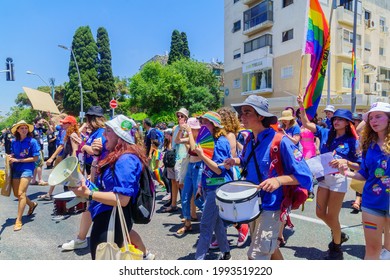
(192, 220)
(43, 183)
(170, 209)
(18, 226)
(184, 229)
(282, 242)
(45, 197)
(32, 208)
(34, 183)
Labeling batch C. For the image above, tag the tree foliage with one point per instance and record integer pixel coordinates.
(106, 90)
(86, 53)
(175, 52)
(185, 51)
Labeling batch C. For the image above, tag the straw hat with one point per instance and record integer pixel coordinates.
(286, 116)
(20, 123)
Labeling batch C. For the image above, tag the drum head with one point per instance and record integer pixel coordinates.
(237, 191)
(65, 195)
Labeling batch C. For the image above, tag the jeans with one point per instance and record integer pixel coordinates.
(211, 222)
(191, 181)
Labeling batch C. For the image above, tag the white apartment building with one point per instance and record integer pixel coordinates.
(263, 52)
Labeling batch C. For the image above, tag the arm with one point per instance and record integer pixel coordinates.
(295, 139)
(29, 159)
(209, 162)
(305, 121)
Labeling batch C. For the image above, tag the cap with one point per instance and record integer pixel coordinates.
(69, 119)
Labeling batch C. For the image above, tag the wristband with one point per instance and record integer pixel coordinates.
(90, 197)
(276, 178)
(301, 108)
(189, 132)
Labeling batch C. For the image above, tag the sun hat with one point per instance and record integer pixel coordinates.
(183, 111)
(69, 119)
(357, 116)
(213, 117)
(342, 113)
(377, 107)
(193, 123)
(329, 108)
(260, 104)
(20, 123)
(123, 127)
(95, 111)
(286, 116)
(168, 131)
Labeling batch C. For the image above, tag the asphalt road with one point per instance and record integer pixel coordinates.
(41, 237)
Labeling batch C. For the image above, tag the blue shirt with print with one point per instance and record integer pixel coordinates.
(292, 161)
(127, 172)
(375, 169)
(211, 180)
(98, 133)
(26, 148)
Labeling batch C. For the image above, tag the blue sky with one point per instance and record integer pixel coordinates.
(138, 29)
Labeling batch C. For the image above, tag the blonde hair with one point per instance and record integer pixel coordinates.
(229, 120)
(369, 137)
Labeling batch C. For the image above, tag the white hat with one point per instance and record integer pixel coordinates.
(123, 127)
(377, 107)
(330, 108)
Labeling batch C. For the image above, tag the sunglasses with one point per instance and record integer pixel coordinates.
(180, 116)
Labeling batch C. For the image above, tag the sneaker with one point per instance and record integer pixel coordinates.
(385, 254)
(214, 245)
(149, 256)
(310, 197)
(225, 256)
(75, 244)
(242, 235)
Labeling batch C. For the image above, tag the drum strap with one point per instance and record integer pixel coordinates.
(252, 153)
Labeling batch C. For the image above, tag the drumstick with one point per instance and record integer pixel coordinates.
(242, 184)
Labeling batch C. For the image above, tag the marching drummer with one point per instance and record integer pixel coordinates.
(255, 159)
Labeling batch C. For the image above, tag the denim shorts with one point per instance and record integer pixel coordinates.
(22, 174)
(376, 212)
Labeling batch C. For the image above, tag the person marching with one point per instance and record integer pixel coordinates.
(341, 140)
(255, 158)
(25, 152)
(375, 143)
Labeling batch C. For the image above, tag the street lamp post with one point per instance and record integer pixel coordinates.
(80, 85)
(51, 84)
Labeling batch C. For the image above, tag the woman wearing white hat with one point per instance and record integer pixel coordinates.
(375, 170)
(25, 152)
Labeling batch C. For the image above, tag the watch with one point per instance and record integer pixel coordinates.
(90, 196)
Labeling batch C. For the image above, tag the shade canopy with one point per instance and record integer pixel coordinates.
(41, 101)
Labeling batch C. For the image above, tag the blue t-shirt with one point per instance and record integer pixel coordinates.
(294, 130)
(95, 135)
(127, 172)
(60, 140)
(211, 180)
(292, 161)
(343, 147)
(375, 169)
(29, 147)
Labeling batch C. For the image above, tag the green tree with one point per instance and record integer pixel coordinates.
(175, 52)
(106, 90)
(86, 53)
(185, 51)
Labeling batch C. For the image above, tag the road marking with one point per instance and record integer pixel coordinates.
(312, 220)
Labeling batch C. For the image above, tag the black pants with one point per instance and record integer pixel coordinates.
(100, 229)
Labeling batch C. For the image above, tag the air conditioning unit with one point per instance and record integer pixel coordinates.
(378, 87)
(371, 24)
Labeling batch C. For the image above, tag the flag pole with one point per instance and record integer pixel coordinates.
(330, 51)
(353, 89)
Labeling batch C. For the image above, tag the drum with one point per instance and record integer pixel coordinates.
(60, 201)
(238, 201)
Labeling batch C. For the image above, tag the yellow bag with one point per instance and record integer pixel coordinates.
(357, 185)
(2, 179)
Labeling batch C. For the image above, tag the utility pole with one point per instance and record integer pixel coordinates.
(353, 91)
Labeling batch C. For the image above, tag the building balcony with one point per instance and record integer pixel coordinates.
(258, 91)
(258, 28)
(345, 16)
(249, 2)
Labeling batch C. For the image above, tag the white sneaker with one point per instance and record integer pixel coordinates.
(75, 244)
(149, 256)
(385, 254)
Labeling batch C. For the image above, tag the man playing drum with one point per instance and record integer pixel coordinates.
(264, 230)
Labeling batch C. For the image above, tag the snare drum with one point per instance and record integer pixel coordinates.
(238, 201)
(60, 201)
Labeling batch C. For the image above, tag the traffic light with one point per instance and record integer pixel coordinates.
(10, 69)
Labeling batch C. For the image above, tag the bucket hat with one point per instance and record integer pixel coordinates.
(95, 111)
(260, 104)
(286, 116)
(123, 127)
(183, 111)
(330, 108)
(213, 117)
(377, 107)
(342, 113)
(193, 123)
(20, 123)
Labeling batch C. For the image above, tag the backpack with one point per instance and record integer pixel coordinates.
(142, 209)
(169, 158)
(293, 195)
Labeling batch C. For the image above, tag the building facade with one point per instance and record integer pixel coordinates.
(263, 52)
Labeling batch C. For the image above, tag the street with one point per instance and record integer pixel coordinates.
(41, 237)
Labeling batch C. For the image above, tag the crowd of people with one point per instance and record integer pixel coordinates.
(113, 153)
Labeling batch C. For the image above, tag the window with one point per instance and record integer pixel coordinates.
(366, 79)
(235, 1)
(257, 80)
(381, 51)
(236, 26)
(287, 3)
(382, 24)
(348, 37)
(236, 54)
(348, 4)
(347, 77)
(236, 83)
(367, 15)
(384, 74)
(287, 72)
(258, 14)
(287, 35)
(260, 42)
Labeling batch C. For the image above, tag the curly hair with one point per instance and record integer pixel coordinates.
(368, 138)
(229, 120)
(72, 128)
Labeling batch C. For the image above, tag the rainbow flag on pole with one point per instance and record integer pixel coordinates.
(317, 45)
(353, 69)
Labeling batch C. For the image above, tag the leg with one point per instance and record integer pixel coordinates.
(81, 241)
(373, 226)
(20, 188)
(136, 240)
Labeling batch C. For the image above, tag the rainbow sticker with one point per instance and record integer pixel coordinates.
(369, 225)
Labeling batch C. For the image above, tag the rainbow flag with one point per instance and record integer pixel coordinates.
(353, 69)
(158, 174)
(159, 155)
(317, 45)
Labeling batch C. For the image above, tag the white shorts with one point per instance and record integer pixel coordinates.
(335, 183)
